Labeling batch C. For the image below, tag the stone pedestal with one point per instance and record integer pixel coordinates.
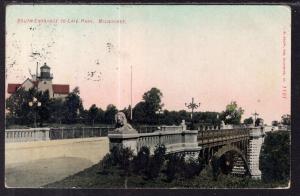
(254, 147)
(124, 141)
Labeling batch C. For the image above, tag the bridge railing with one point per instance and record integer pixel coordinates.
(40, 134)
(26, 135)
(211, 136)
(83, 132)
(175, 138)
(151, 129)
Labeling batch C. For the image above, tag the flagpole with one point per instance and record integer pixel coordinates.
(131, 92)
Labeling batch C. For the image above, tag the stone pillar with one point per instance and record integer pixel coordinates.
(254, 147)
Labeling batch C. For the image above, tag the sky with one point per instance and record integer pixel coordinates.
(215, 54)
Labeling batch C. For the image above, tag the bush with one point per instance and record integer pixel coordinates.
(156, 162)
(141, 161)
(115, 156)
(106, 164)
(175, 164)
(191, 168)
(275, 157)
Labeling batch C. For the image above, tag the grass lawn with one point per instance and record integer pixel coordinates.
(93, 178)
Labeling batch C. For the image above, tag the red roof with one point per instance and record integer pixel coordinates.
(61, 88)
(11, 88)
(57, 88)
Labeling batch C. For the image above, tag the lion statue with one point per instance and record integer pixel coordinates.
(122, 127)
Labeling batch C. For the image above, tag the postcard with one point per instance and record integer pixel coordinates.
(147, 96)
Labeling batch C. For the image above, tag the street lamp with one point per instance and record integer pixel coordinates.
(158, 112)
(35, 103)
(192, 106)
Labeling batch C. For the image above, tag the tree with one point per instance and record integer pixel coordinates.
(275, 123)
(20, 110)
(92, 114)
(17, 105)
(57, 110)
(286, 119)
(248, 121)
(73, 106)
(232, 114)
(100, 116)
(44, 109)
(275, 157)
(110, 113)
(139, 114)
(258, 121)
(152, 99)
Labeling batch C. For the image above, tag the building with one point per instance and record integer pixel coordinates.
(42, 82)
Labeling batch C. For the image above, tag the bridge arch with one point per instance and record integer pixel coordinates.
(216, 158)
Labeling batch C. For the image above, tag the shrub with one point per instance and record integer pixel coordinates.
(115, 156)
(275, 157)
(105, 164)
(191, 168)
(156, 162)
(141, 161)
(175, 164)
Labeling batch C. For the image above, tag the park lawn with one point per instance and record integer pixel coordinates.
(93, 178)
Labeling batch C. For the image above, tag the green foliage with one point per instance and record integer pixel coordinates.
(73, 106)
(275, 123)
(286, 119)
(215, 164)
(177, 172)
(92, 114)
(232, 114)
(20, 110)
(141, 161)
(248, 121)
(105, 164)
(258, 121)
(275, 157)
(192, 168)
(115, 156)
(109, 115)
(156, 162)
(152, 99)
(57, 110)
(139, 113)
(145, 111)
(174, 165)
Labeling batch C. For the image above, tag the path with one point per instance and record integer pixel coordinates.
(41, 172)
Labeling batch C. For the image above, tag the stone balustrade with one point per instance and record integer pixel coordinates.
(26, 135)
(43, 134)
(175, 139)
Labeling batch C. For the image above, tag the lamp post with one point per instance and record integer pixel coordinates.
(35, 104)
(158, 112)
(192, 106)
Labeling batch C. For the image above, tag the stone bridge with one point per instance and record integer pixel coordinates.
(237, 149)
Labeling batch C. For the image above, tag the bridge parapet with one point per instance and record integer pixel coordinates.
(175, 139)
(26, 135)
(44, 134)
